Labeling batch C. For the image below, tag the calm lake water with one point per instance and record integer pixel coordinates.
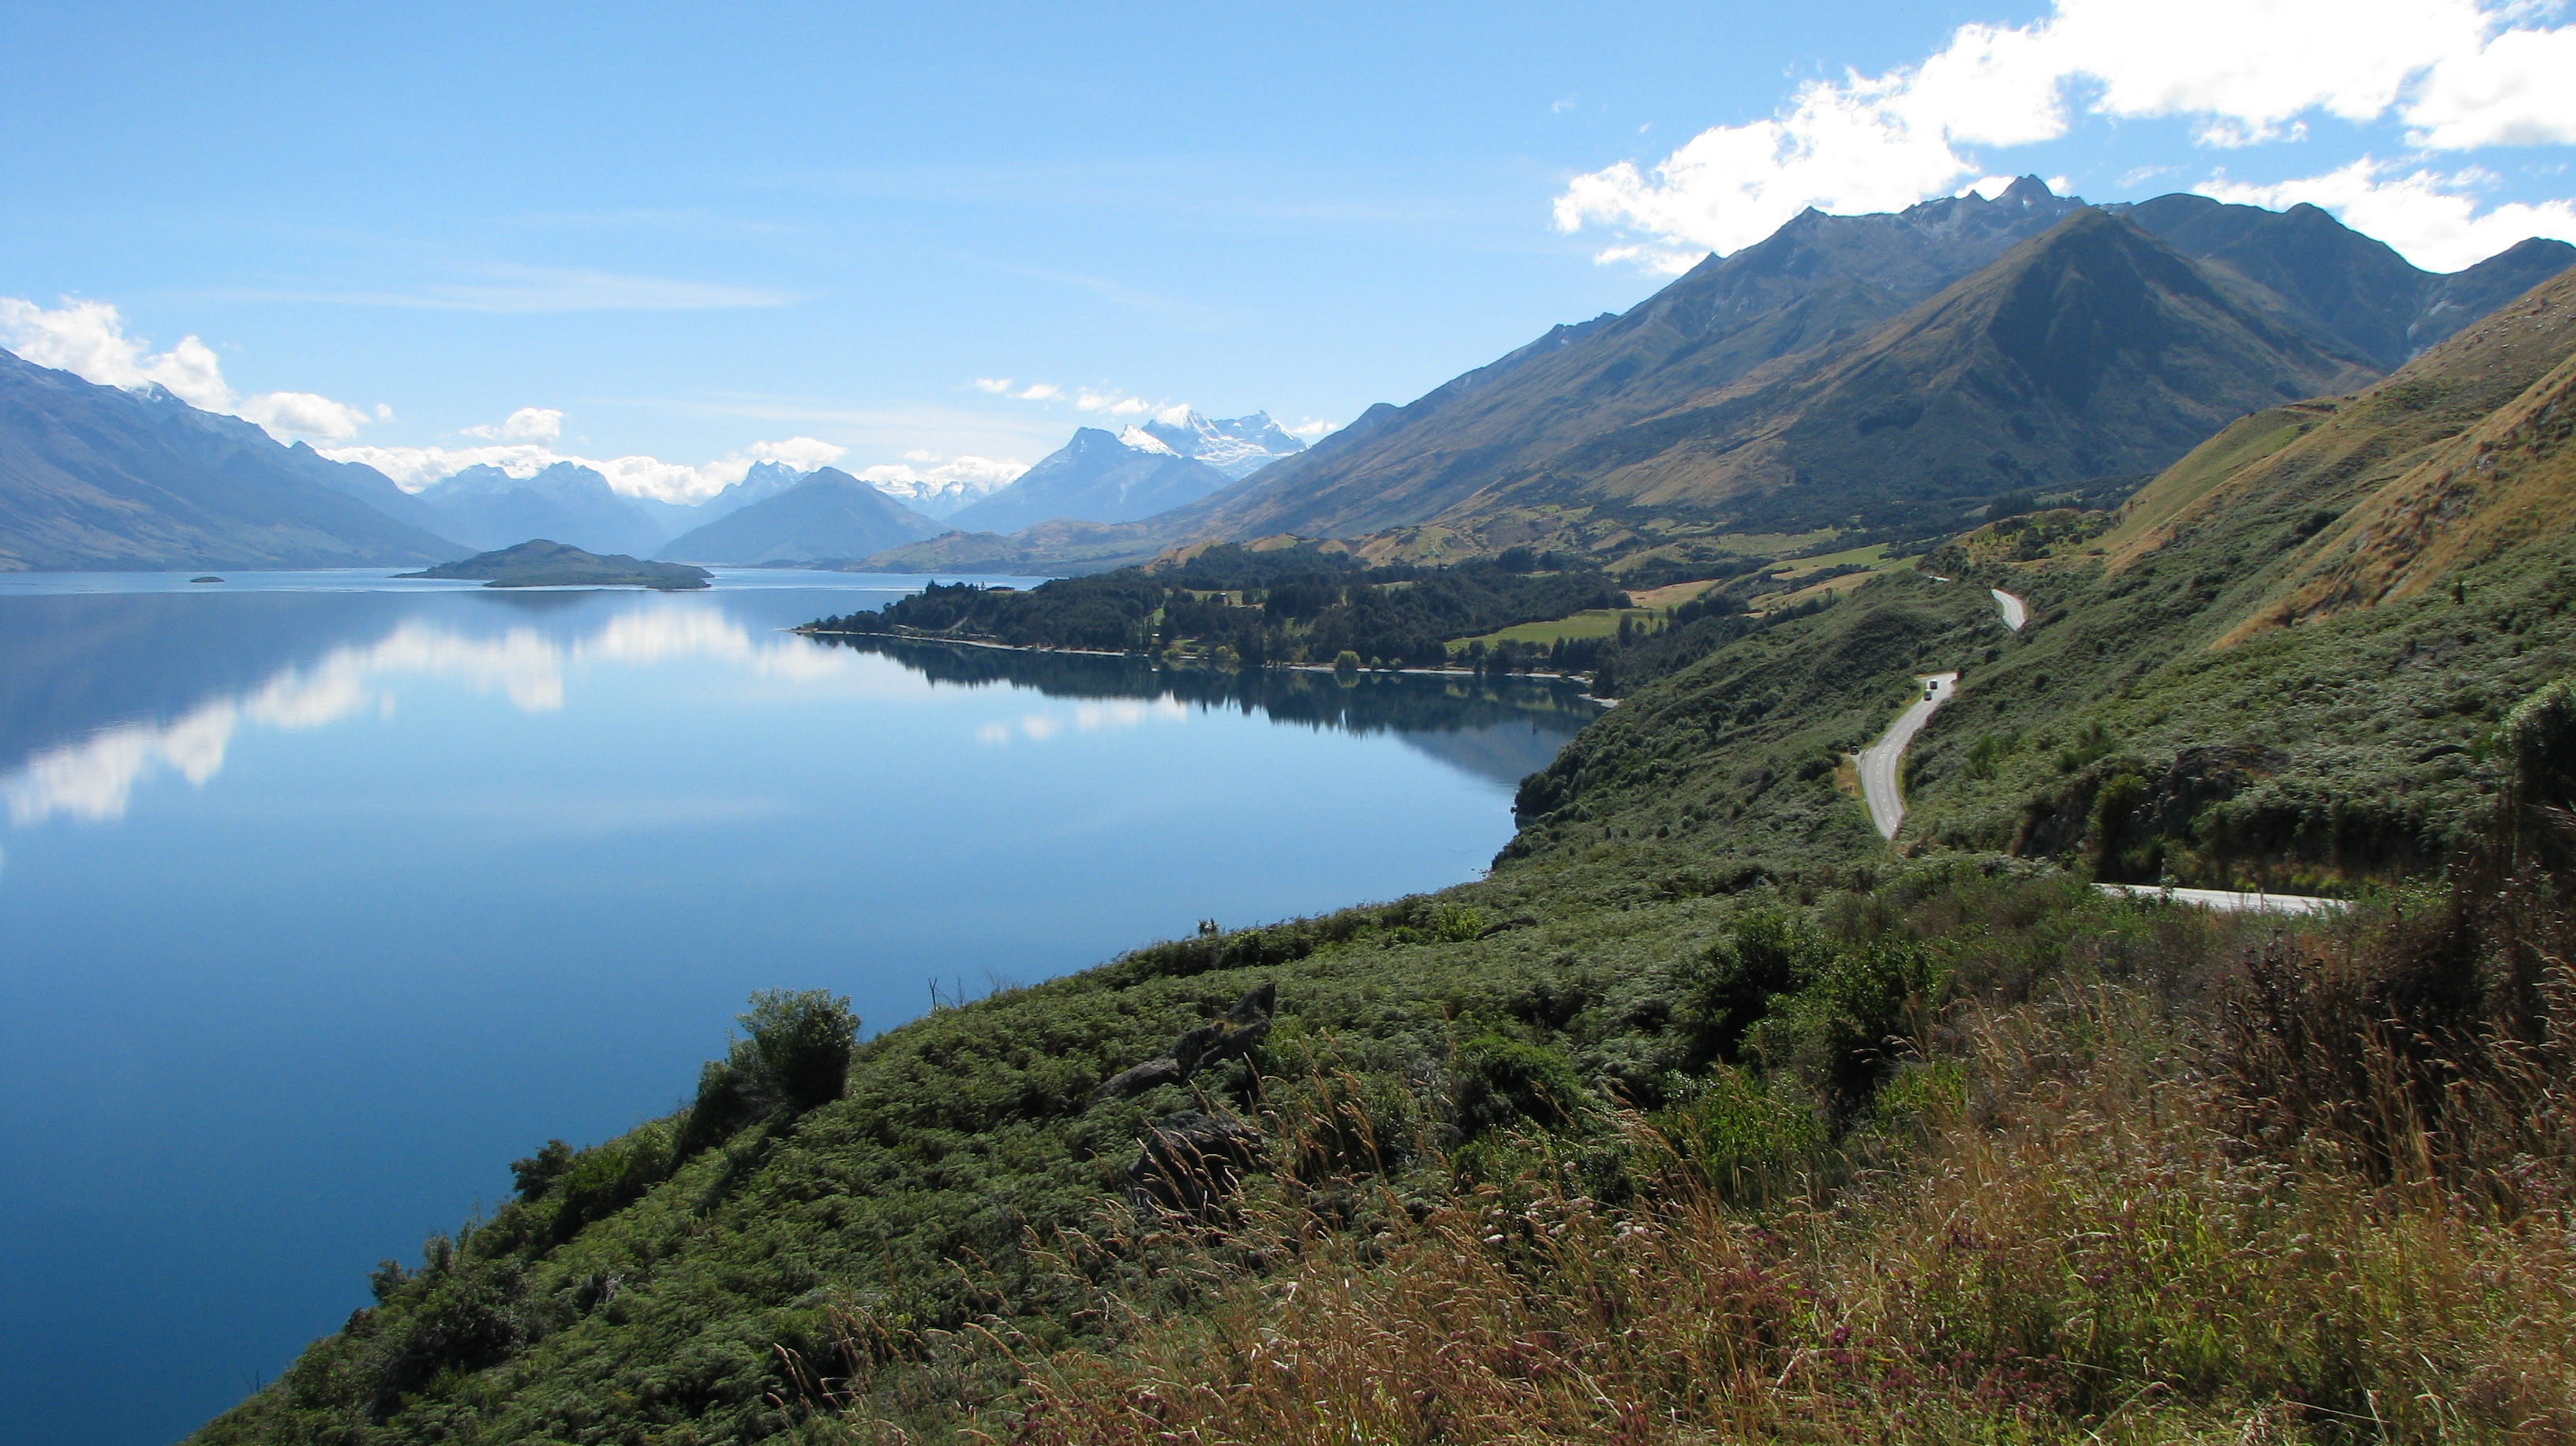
(323, 896)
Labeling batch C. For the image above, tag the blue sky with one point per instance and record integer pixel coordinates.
(704, 234)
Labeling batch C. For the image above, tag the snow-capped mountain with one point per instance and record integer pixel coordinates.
(1236, 446)
(1096, 477)
(934, 496)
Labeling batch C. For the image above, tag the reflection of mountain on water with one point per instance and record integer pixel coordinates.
(1502, 730)
(107, 690)
(77, 663)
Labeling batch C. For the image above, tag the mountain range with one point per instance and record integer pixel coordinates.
(96, 477)
(1884, 372)
(1885, 376)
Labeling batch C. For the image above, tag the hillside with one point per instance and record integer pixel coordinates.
(1708, 1115)
(828, 514)
(95, 477)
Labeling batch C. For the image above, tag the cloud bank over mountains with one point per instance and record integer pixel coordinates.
(2447, 76)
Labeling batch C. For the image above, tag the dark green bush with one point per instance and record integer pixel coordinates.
(795, 1055)
(1503, 1082)
(533, 1176)
(1866, 1011)
(1732, 985)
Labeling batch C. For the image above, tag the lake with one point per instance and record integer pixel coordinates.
(324, 895)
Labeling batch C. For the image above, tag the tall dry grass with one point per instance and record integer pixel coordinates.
(2319, 1208)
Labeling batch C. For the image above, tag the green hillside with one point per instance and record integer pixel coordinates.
(1709, 1115)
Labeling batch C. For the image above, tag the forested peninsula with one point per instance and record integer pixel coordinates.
(1308, 605)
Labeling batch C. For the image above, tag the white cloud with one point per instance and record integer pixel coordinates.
(2514, 92)
(2429, 217)
(302, 414)
(414, 468)
(527, 424)
(802, 453)
(87, 339)
(921, 454)
(1113, 401)
(2243, 72)
(1116, 404)
(1311, 428)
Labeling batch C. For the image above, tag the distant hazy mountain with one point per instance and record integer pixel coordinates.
(765, 480)
(828, 514)
(567, 502)
(98, 477)
(1235, 446)
(1096, 477)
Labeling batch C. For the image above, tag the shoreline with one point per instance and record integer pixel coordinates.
(813, 632)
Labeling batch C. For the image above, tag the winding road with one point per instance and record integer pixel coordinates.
(2016, 612)
(2229, 901)
(1878, 761)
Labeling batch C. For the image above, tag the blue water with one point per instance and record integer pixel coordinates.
(322, 896)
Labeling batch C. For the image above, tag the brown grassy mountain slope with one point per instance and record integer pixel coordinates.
(2457, 458)
(2092, 351)
(1816, 280)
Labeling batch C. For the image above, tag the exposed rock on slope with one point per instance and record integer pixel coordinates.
(1743, 363)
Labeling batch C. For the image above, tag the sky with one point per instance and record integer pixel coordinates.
(927, 242)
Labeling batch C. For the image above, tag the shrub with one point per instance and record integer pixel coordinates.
(1866, 1011)
(1733, 984)
(1504, 1081)
(795, 1056)
(533, 1176)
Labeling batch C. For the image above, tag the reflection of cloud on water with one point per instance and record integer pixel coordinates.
(1120, 713)
(94, 778)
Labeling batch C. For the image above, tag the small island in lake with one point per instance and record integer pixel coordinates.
(541, 563)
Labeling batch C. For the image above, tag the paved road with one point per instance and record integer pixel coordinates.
(1878, 761)
(2226, 901)
(2016, 612)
